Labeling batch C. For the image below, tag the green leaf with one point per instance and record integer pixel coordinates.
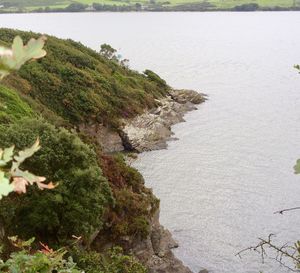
(31, 178)
(6, 155)
(34, 48)
(297, 167)
(19, 54)
(23, 155)
(17, 48)
(5, 186)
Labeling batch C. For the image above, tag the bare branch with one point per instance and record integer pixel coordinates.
(284, 210)
(282, 252)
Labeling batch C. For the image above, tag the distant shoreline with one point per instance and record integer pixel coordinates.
(148, 11)
(127, 9)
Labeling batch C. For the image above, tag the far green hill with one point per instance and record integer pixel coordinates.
(82, 5)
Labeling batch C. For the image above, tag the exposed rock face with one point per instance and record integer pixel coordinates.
(109, 140)
(155, 252)
(151, 130)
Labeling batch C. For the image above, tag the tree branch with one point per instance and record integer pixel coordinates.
(284, 251)
(284, 210)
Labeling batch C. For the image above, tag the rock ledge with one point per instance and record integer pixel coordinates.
(151, 130)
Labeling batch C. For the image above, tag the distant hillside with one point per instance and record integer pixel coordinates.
(151, 5)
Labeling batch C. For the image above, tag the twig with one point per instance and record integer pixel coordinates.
(284, 210)
(284, 251)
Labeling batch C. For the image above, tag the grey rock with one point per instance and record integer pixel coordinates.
(152, 129)
(109, 140)
(155, 252)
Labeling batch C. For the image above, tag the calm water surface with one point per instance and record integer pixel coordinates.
(232, 166)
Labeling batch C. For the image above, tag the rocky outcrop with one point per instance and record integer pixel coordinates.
(156, 251)
(152, 129)
(108, 139)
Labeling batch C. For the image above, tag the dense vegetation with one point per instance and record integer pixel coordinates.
(99, 198)
(12, 108)
(68, 209)
(134, 203)
(146, 5)
(110, 261)
(80, 85)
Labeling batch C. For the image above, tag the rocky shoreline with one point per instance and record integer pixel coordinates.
(156, 251)
(151, 131)
(146, 132)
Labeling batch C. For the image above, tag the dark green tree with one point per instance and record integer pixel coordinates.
(76, 206)
(108, 52)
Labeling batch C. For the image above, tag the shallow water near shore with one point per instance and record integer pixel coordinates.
(231, 168)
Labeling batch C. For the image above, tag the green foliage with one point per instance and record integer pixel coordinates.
(247, 7)
(14, 178)
(80, 85)
(76, 206)
(12, 107)
(5, 186)
(74, 84)
(134, 203)
(112, 261)
(43, 261)
(75, 7)
(107, 51)
(297, 167)
(137, 5)
(14, 58)
(155, 78)
(22, 3)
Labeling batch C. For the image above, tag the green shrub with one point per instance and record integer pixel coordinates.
(80, 85)
(134, 203)
(157, 79)
(112, 261)
(46, 260)
(12, 108)
(74, 207)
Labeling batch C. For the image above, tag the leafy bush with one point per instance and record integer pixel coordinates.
(12, 175)
(12, 107)
(112, 261)
(134, 203)
(45, 260)
(81, 85)
(157, 79)
(76, 206)
(108, 52)
(12, 178)
(73, 84)
(247, 7)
